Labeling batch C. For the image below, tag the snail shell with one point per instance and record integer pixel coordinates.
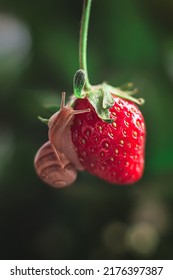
(53, 167)
(56, 162)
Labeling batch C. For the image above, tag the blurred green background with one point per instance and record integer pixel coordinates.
(129, 41)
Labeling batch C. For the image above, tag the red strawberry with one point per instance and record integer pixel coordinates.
(112, 151)
(109, 139)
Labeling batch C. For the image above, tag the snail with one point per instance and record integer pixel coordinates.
(56, 162)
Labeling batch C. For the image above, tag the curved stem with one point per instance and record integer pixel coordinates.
(83, 40)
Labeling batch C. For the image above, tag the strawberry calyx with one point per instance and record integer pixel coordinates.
(102, 101)
(79, 83)
(102, 96)
(115, 91)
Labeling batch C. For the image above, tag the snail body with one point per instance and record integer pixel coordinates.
(56, 162)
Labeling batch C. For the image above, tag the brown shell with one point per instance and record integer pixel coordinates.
(54, 168)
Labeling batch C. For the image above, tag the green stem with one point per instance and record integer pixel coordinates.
(83, 40)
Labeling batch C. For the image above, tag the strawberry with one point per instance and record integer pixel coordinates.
(112, 151)
(101, 130)
(105, 136)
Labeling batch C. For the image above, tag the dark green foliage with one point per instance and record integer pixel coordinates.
(129, 41)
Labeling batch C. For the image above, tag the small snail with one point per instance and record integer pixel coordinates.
(56, 162)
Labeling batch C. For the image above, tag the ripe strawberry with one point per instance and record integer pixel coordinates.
(112, 151)
(109, 139)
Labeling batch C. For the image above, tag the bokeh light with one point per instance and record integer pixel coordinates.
(15, 47)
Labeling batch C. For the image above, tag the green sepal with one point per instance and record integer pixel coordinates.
(102, 101)
(45, 121)
(108, 100)
(78, 83)
(125, 94)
